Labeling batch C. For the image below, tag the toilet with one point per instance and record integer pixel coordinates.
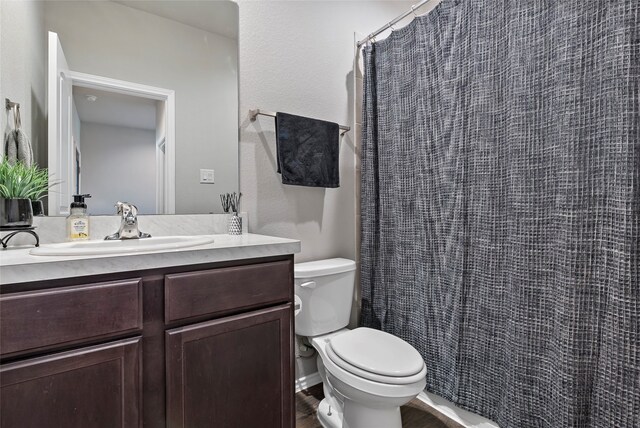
(366, 374)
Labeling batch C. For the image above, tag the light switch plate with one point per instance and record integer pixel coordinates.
(207, 176)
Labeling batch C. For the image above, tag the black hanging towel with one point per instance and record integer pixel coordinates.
(307, 151)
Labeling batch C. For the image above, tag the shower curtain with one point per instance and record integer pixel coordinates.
(500, 206)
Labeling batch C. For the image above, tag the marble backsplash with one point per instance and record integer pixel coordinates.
(53, 229)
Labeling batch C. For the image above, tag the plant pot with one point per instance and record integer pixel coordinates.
(16, 213)
(37, 207)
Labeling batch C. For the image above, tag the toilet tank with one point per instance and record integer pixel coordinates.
(323, 292)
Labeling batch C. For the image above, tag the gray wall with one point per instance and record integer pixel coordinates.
(298, 57)
(112, 158)
(23, 55)
(112, 40)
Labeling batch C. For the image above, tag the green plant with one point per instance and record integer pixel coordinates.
(19, 181)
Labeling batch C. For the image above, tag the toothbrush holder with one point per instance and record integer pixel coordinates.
(234, 225)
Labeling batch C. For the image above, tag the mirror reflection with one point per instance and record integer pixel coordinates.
(130, 128)
(141, 100)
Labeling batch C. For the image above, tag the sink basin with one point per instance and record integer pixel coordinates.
(96, 247)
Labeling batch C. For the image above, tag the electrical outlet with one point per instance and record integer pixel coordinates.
(207, 176)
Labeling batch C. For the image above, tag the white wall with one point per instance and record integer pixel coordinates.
(23, 56)
(297, 57)
(112, 40)
(112, 158)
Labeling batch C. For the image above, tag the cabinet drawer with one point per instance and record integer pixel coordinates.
(208, 292)
(44, 319)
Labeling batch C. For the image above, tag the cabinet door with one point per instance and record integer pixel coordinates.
(97, 386)
(232, 372)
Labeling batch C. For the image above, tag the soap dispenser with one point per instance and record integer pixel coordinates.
(78, 220)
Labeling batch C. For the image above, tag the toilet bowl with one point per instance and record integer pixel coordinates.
(367, 374)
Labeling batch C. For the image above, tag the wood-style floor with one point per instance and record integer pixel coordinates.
(414, 415)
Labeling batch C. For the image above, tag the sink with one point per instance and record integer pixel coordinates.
(96, 247)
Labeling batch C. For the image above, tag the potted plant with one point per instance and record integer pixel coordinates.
(19, 186)
(41, 185)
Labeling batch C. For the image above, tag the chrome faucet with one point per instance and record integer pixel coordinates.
(128, 224)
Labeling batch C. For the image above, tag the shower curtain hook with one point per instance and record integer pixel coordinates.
(391, 26)
(413, 9)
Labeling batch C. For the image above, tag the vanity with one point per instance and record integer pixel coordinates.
(191, 337)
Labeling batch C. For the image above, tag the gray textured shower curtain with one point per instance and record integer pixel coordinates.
(500, 206)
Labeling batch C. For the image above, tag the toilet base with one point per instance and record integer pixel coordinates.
(359, 416)
(328, 418)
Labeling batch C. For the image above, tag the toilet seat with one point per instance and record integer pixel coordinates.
(375, 388)
(376, 356)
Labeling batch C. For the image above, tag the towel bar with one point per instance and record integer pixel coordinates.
(255, 112)
(15, 108)
(8, 104)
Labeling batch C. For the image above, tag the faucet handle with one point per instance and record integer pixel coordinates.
(133, 210)
(118, 206)
(126, 210)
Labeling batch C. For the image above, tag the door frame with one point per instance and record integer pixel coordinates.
(136, 89)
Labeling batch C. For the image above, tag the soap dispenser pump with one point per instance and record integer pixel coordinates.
(78, 220)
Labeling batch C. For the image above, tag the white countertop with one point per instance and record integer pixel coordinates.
(18, 266)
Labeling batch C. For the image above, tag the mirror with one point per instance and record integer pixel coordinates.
(130, 128)
(142, 102)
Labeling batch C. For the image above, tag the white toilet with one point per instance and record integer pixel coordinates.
(367, 374)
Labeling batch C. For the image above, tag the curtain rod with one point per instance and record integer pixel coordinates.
(390, 24)
(253, 113)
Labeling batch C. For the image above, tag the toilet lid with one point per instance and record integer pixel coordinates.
(375, 352)
(322, 268)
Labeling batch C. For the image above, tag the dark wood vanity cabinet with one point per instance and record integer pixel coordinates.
(200, 346)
